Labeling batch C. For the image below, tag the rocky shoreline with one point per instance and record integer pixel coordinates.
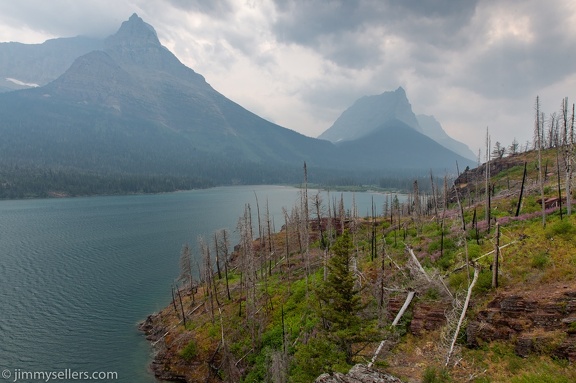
(166, 360)
(164, 357)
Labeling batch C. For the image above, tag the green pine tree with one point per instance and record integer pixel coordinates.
(340, 301)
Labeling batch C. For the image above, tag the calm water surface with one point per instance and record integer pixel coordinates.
(78, 274)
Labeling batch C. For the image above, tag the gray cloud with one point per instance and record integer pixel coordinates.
(219, 9)
(524, 63)
(305, 22)
(66, 18)
(323, 24)
(456, 59)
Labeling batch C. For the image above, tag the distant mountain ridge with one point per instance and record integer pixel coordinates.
(407, 149)
(131, 107)
(38, 64)
(432, 128)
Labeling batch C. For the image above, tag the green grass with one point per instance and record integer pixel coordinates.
(537, 255)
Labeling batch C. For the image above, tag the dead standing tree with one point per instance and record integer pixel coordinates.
(323, 240)
(568, 152)
(222, 246)
(248, 268)
(287, 246)
(538, 140)
(209, 283)
(304, 230)
(217, 255)
(434, 198)
(487, 185)
(417, 208)
(271, 252)
(186, 269)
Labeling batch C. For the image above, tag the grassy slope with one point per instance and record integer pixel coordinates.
(264, 345)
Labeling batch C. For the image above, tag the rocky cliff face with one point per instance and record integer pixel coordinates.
(537, 321)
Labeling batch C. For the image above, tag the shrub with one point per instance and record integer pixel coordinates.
(560, 228)
(434, 375)
(273, 337)
(319, 355)
(484, 282)
(434, 246)
(445, 262)
(540, 261)
(458, 281)
(432, 294)
(190, 351)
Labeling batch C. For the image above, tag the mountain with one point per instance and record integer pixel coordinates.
(30, 65)
(397, 144)
(432, 128)
(131, 108)
(370, 112)
(383, 129)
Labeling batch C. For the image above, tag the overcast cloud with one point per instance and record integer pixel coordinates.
(471, 64)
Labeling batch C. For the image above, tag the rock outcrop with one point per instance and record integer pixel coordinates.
(536, 321)
(426, 316)
(358, 374)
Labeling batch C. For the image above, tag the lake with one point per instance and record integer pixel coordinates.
(78, 274)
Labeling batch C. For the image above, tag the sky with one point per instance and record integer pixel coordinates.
(473, 64)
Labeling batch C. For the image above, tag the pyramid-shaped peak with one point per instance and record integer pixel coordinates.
(370, 113)
(400, 91)
(134, 31)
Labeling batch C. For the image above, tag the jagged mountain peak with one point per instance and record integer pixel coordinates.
(133, 32)
(371, 112)
(136, 47)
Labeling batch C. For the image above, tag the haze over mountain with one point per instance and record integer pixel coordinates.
(133, 108)
(432, 128)
(370, 112)
(29, 65)
(387, 123)
(134, 101)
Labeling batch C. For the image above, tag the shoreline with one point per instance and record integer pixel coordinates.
(161, 358)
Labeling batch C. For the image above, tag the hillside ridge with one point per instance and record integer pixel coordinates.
(270, 315)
